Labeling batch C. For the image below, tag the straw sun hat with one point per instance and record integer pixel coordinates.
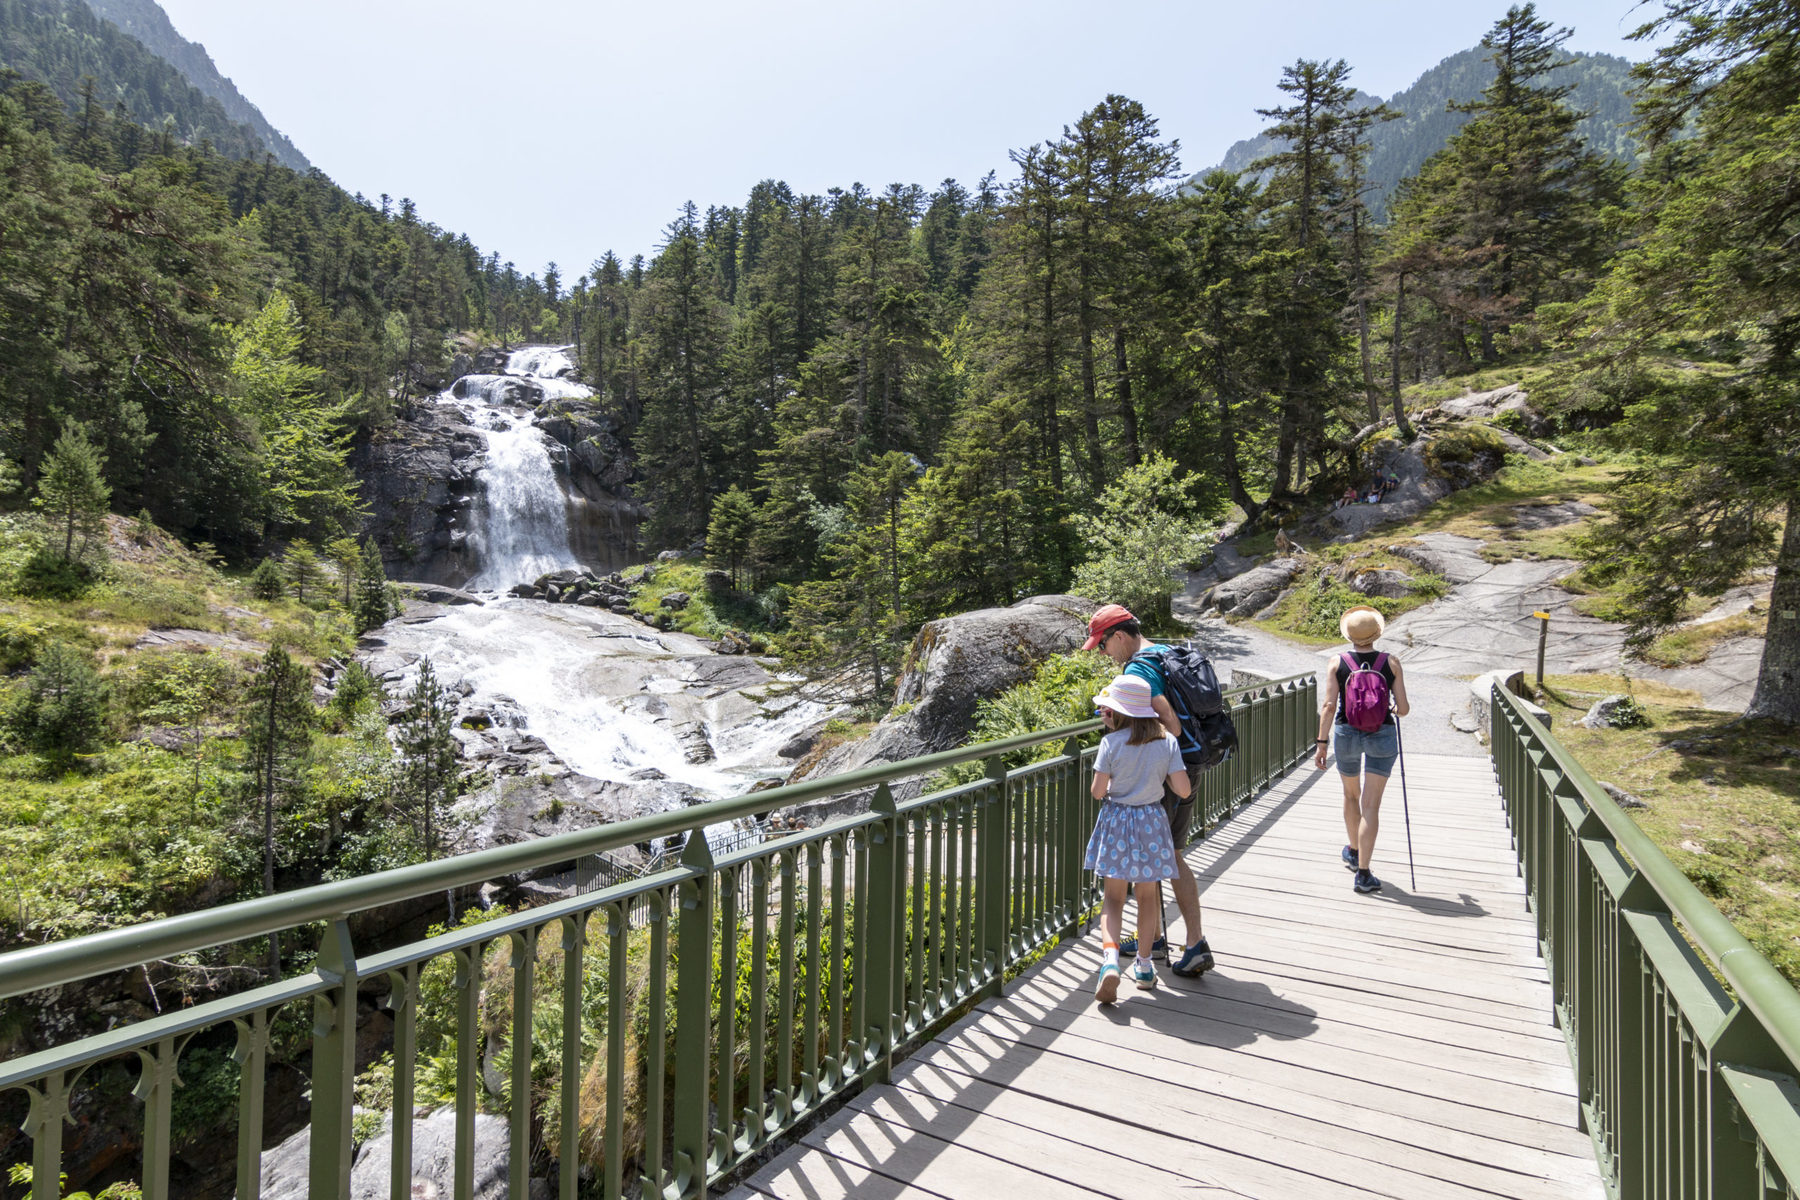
(1361, 624)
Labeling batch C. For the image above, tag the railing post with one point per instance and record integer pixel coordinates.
(334, 1066)
(1074, 839)
(693, 1020)
(885, 914)
(995, 837)
(568, 1155)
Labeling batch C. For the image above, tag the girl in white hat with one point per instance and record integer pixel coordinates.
(1131, 842)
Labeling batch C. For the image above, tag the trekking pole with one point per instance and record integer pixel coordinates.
(1405, 808)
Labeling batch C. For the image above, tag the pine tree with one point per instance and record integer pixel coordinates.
(64, 707)
(72, 491)
(1717, 492)
(733, 527)
(301, 566)
(266, 582)
(428, 754)
(277, 730)
(346, 556)
(374, 602)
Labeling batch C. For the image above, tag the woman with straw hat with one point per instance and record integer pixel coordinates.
(1365, 696)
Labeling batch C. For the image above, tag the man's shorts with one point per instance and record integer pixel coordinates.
(1181, 812)
(1361, 753)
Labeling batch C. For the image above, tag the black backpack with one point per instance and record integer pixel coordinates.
(1194, 693)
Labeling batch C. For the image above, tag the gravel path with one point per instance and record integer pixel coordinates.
(1485, 623)
(1435, 698)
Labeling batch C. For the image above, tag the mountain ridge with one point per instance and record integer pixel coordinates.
(150, 25)
(1400, 147)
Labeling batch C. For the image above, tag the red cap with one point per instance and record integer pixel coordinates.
(1108, 618)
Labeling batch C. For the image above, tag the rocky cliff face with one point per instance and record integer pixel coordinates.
(421, 479)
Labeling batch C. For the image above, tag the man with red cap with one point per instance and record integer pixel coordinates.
(1115, 632)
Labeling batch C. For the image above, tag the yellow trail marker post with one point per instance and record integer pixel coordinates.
(1543, 637)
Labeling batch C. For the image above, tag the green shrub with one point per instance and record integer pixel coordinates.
(20, 638)
(266, 582)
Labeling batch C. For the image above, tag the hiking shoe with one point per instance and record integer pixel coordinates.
(1194, 962)
(1144, 975)
(1159, 949)
(1366, 882)
(1349, 857)
(1106, 990)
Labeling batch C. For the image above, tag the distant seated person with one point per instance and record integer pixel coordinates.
(1374, 496)
(1349, 497)
(1389, 482)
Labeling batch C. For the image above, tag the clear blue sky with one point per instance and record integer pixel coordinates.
(558, 129)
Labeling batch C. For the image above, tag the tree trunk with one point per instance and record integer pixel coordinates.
(1234, 478)
(1127, 408)
(1400, 422)
(1778, 682)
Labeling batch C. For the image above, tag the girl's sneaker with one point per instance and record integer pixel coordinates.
(1349, 857)
(1144, 975)
(1106, 991)
(1365, 882)
(1159, 949)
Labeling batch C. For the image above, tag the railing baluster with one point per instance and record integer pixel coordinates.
(469, 965)
(656, 1056)
(835, 1064)
(568, 1149)
(251, 1056)
(815, 900)
(618, 931)
(524, 969)
(156, 1088)
(785, 1099)
(724, 1145)
(48, 1112)
(756, 1113)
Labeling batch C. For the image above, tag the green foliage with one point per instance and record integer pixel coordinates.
(301, 567)
(72, 494)
(64, 712)
(266, 582)
(732, 531)
(20, 1173)
(428, 756)
(374, 600)
(1144, 535)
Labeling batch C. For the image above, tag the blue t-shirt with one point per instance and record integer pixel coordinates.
(1145, 667)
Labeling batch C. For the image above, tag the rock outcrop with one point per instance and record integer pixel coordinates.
(284, 1168)
(1252, 591)
(418, 479)
(954, 663)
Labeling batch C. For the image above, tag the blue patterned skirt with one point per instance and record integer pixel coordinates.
(1131, 842)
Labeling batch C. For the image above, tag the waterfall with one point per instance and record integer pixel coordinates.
(521, 527)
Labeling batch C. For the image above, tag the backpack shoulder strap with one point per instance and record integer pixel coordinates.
(1349, 662)
(1380, 663)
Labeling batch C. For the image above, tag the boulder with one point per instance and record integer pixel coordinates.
(718, 583)
(1391, 585)
(284, 1168)
(591, 600)
(1255, 589)
(523, 590)
(675, 600)
(620, 606)
(670, 556)
(954, 663)
(1614, 712)
(437, 593)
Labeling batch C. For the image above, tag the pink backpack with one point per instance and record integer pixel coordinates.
(1366, 695)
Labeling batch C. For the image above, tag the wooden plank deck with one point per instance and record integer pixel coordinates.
(1393, 1045)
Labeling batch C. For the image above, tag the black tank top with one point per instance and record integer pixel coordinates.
(1363, 658)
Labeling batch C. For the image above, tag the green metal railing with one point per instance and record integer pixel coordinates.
(1685, 1064)
(726, 1000)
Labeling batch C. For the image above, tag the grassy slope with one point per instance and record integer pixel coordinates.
(1722, 796)
(132, 830)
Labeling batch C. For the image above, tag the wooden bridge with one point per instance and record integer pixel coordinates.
(1401, 1044)
(855, 1009)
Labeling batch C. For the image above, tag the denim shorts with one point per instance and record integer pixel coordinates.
(1358, 752)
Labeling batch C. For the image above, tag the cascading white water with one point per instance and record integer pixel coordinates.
(611, 699)
(521, 528)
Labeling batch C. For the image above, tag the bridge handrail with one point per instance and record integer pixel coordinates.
(856, 940)
(34, 968)
(1642, 1014)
